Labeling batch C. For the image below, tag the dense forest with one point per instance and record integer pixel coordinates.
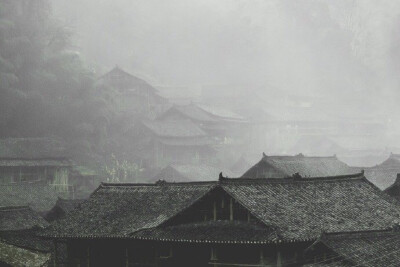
(46, 89)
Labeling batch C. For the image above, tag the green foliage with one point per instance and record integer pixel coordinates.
(45, 88)
(121, 171)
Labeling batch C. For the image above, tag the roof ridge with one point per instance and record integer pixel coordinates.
(105, 184)
(290, 178)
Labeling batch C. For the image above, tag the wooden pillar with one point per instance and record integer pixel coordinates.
(214, 256)
(231, 209)
(279, 259)
(55, 253)
(262, 259)
(88, 256)
(215, 211)
(126, 257)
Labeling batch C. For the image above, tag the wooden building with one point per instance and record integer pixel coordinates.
(32, 160)
(19, 243)
(229, 222)
(172, 141)
(136, 95)
(362, 248)
(285, 166)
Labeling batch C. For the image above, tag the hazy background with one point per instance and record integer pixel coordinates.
(346, 50)
(317, 77)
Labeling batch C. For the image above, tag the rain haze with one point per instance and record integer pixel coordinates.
(101, 96)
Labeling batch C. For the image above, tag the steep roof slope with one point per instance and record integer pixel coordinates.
(40, 197)
(367, 249)
(285, 166)
(121, 79)
(302, 208)
(20, 218)
(121, 209)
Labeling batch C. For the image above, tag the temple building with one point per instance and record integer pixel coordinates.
(136, 95)
(229, 222)
(285, 166)
(216, 122)
(160, 143)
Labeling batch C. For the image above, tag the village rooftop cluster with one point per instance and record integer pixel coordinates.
(191, 200)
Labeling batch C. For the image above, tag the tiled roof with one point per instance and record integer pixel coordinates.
(39, 196)
(51, 162)
(121, 209)
(211, 232)
(116, 75)
(298, 208)
(192, 112)
(174, 128)
(367, 249)
(285, 166)
(31, 148)
(302, 208)
(15, 256)
(28, 239)
(20, 218)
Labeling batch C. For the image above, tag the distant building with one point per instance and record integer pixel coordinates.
(19, 243)
(385, 173)
(136, 94)
(172, 141)
(245, 222)
(215, 121)
(286, 166)
(361, 248)
(28, 160)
